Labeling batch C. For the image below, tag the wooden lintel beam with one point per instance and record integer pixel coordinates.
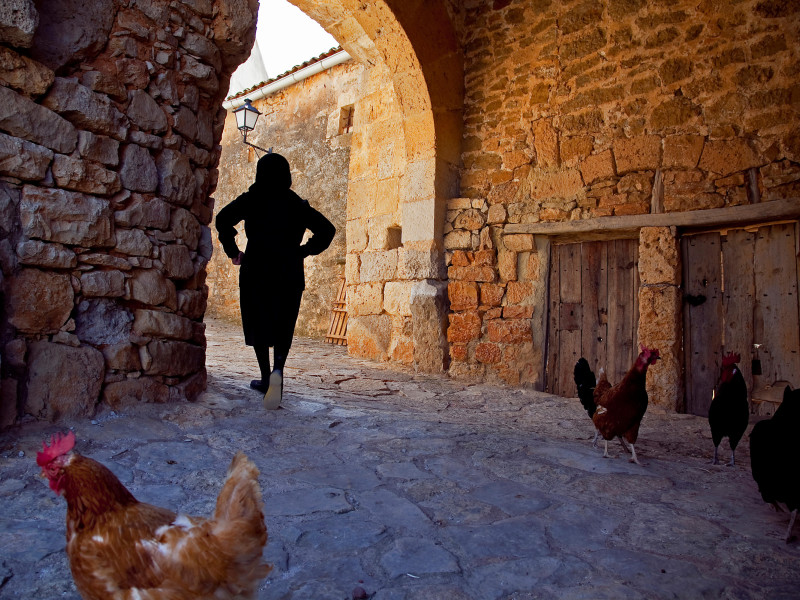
(712, 217)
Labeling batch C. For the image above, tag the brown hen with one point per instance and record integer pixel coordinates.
(616, 411)
(120, 548)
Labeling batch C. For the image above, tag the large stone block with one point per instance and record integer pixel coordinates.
(22, 159)
(151, 287)
(545, 143)
(9, 201)
(488, 353)
(660, 315)
(597, 167)
(682, 151)
(23, 74)
(519, 292)
(492, 294)
(641, 153)
(99, 148)
(185, 123)
(378, 266)
(66, 217)
(42, 254)
(145, 112)
(357, 238)
(9, 391)
(150, 213)
(177, 261)
(174, 359)
(137, 170)
(518, 242)
(22, 117)
(204, 76)
(186, 227)
(365, 299)
(458, 239)
(18, 22)
(160, 324)
(420, 260)
(176, 181)
(723, 157)
(192, 303)
(86, 109)
(72, 31)
(544, 184)
(659, 256)
(133, 242)
(509, 331)
(121, 394)
(471, 219)
(63, 381)
(463, 295)
(39, 301)
(84, 176)
(122, 357)
(429, 317)
(99, 321)
(369, 336)
(472, 273)
(109, 284)
(397, 297)
(464, 327)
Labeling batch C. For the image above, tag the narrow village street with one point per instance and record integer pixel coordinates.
(418, 486)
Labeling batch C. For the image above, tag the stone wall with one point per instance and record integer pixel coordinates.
(306, 123)
(378, 295)
(578, 110)
(109, 124)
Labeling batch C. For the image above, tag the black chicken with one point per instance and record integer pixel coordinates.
(586, 383)
(729, 412)
(775, 454)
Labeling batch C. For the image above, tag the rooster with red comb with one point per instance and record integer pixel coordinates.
(729, 412)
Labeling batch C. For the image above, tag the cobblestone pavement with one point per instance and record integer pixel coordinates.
(416, 486)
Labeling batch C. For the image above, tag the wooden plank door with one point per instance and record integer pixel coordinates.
(702, 318)
(775, 323)
(750, 281)
(593, 310)
(738, 303)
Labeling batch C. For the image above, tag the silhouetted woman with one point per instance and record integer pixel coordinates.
(271, 278)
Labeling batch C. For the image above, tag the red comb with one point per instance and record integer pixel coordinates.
(731, 359)
(59, 445)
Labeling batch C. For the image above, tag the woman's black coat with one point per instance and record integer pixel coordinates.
(271, 278)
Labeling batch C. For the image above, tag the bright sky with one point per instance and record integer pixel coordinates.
(286, 37)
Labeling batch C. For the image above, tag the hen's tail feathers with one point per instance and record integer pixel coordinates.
(586, 382)
(240, 514)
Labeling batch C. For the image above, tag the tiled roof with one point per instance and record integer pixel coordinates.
(294, 69)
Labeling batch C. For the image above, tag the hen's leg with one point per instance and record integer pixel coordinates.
(596, 435)
(715, 460)
(624, 447)
(605, 452)
(791, 525)
(633, 456)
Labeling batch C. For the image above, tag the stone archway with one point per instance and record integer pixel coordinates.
(396, 290)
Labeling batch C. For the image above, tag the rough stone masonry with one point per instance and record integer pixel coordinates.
(109, 123)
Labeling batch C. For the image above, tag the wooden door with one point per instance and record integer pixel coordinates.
(593, 311)
(740, 291)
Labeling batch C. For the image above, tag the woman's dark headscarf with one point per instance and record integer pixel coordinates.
(273, 172)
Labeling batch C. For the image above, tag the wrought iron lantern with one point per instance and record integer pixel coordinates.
(246, 118)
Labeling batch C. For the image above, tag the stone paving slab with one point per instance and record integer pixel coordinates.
(417, 486)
